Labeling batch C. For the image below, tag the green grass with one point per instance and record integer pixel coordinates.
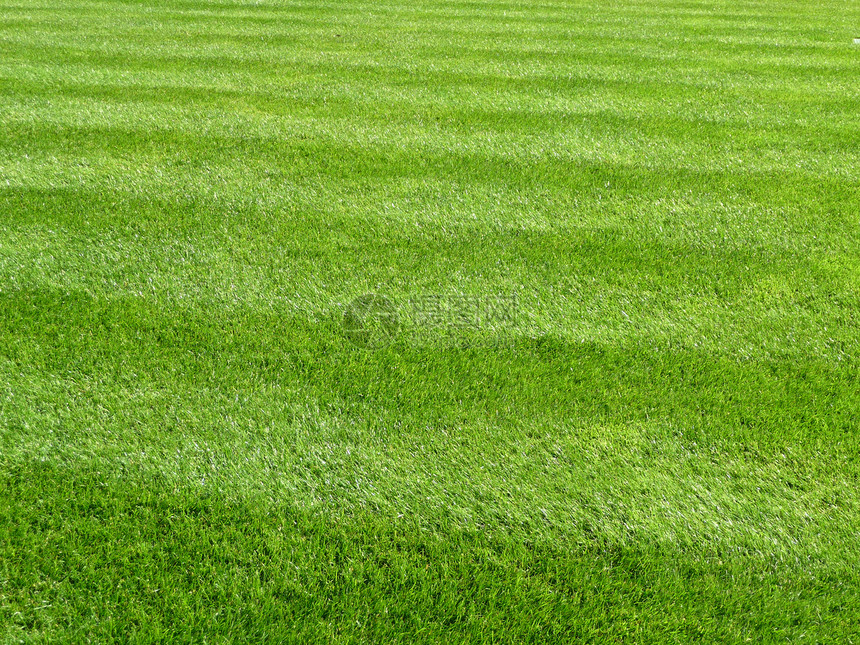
(661, 446)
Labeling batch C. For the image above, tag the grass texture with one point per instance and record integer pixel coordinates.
(661, 446)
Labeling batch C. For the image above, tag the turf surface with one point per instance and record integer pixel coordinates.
(661, 445)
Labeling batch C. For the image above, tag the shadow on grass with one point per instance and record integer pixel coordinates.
(133, 342)
(93, 553)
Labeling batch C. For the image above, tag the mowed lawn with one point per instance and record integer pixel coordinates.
(660, 446)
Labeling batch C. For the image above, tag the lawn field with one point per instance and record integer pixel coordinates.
(441, 321)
